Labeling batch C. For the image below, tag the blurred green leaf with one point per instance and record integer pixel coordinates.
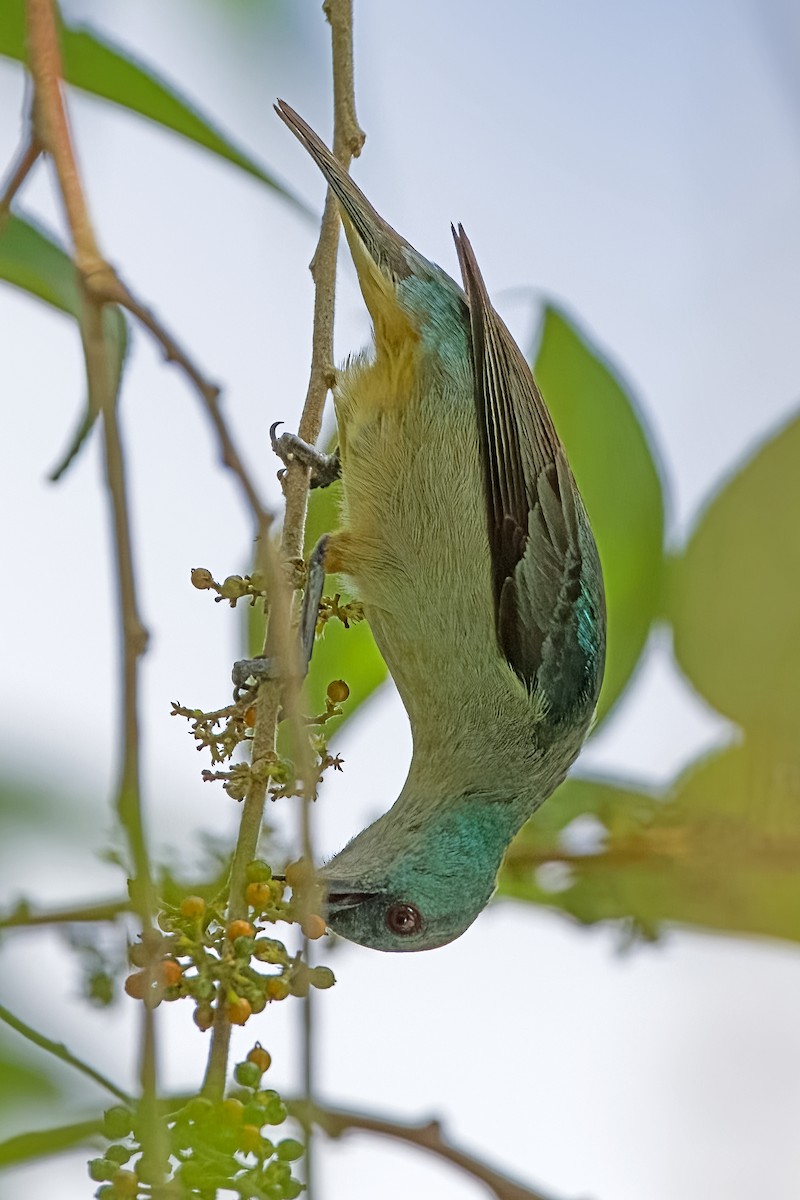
(608, 448)
(734, 595)
(720, 851)
(41, 1143)
(96, 65)
(32, 260)
(21, 1081)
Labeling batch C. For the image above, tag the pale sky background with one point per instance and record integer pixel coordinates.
(641, 165)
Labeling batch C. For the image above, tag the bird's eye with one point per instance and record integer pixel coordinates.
(403, 919)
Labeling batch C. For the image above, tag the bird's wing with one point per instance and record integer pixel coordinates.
(547, 584)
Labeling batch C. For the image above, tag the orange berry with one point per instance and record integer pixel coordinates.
(136, 985)
(237, 929)
(313, 926)
(338, 691)
(250, 716)
(238, 1011)
(170, 972)
(204, 1017)
(192, 906)
(258, 896)
(261, 1057)
(277, 988)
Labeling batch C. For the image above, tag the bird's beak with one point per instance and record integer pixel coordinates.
(373, 242)
(340, 895)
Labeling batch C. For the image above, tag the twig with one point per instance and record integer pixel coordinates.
(348, 139)
(280, 644)
(59, 1050)
(426, 1135)
(17, 175)
(22, 917)
(51, 128)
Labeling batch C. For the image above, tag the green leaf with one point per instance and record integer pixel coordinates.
(734, 596)
(41, 1143)
(97, 66)
(31, 260)
(20, 1081)
(720, 851)
(614, 466)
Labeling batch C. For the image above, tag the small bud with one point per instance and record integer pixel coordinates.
(204, 1017)
(192, 906)
(233, 588)
(117, 1122)
(238, 1011)
(289, 1150)
(136, 985)
(238, 929)
(258, 872)
(259, 896)
(261, 1057)
(202, 579)
(322, 977)
(277, 988)
(338, 691)
(313, 926)
(248, 1074)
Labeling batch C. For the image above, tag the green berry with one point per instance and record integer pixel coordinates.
(247, 1074)
(101, 1169)
(292, 1189)
(289, 1149)
(322, 977)
(119, 1154)
(258, 872)
(117, 1122)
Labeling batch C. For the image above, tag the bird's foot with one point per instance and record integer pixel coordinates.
(263, 668)
(257, 669)
(325, 468)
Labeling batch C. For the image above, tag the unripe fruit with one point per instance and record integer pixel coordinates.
(170, 972)
(239, 929)
(192, 906)
(136, 985)
(259, 895)
(258, 872)
(338, 691)
(238, 1011)
(277, 988)
(289, 1150)
(247, 1074)
(313, 926)
(261, 1057)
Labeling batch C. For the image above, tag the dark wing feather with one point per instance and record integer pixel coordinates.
(546, 578)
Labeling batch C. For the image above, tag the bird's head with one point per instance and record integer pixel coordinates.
(411, 300)
(408, 883)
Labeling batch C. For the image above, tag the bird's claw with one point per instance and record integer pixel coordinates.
(325, 468)
(258, 669)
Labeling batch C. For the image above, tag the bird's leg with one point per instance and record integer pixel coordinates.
(263, 668)
(325, 468)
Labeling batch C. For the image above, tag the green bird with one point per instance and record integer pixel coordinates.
(465, 537)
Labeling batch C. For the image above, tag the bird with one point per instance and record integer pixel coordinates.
(465, 538)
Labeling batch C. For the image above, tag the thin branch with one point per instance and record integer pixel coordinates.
(23, 917)
(59, 1050)
(348, 140)
(51, 128)
(17, 174)
(280, 643)
(426, 1135)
